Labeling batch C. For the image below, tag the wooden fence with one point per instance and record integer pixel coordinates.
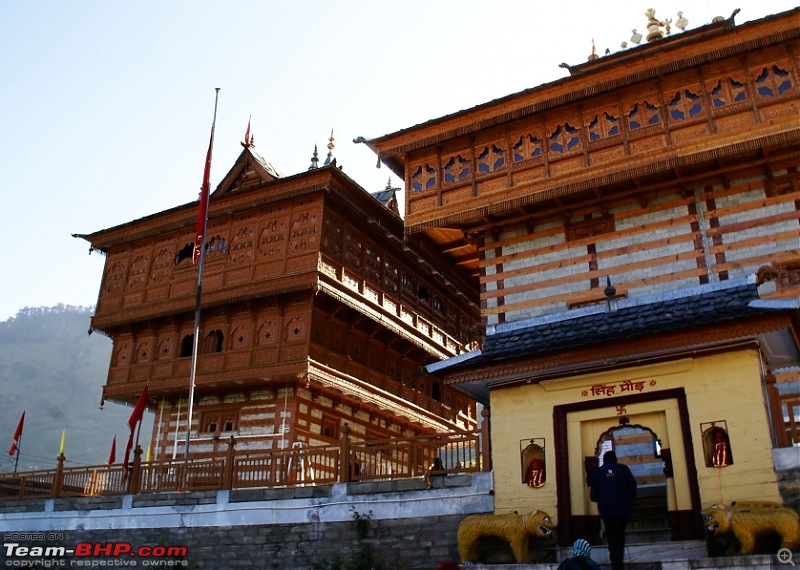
(396, 458)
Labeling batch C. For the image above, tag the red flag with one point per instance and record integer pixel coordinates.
(17, 435)
(136, 417)
(202, 210)
(112, 457)
(247, 135)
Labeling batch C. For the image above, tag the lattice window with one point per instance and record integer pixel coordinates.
(527, 147)
(409, 283)
(372, 262)
(582, 229)
(564, 138)
(219, 421)
(491, 159)
(603, 126)
(213, 342)
(391, 277)
(217, 244)
(727, 92)
(437, 304)
(773, 82)
(685, 106)
(642, 115)
(352, 249)
(423, 178)
(456, 169)
(332, 237)
(329, 427)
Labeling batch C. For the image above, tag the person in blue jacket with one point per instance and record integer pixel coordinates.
(614, 489)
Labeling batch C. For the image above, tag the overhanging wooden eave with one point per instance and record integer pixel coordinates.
(621, 354)
(687, 50)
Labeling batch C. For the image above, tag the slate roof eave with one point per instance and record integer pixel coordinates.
(702, 305)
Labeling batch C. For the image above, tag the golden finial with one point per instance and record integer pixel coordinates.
(329, 158)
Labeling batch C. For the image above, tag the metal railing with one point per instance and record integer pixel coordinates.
(299, 465)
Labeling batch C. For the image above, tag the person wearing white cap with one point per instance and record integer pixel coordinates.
(581, 558)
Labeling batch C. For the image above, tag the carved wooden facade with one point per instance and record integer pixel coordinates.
(635, 229)
(674, 163)
(316, 311)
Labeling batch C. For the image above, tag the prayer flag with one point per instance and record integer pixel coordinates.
(112, 457)
(136, 417)
(17, 435)
(202, 210)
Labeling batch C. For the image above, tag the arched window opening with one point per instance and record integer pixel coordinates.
(213, 342)
(534, 467)
(717, 444)
(186, 252)
(187, 345)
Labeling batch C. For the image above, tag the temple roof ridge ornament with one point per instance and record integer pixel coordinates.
(329, 159)
(314, 159)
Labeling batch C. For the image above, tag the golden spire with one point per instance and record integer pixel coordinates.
(329, 158)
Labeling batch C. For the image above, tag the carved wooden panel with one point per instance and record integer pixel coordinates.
(637, 120)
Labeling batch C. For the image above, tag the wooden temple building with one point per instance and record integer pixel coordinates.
(316, 312)
(635, 227)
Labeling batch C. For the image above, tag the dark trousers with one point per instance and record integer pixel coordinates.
(615, 535)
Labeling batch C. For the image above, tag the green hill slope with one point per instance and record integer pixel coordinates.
(51, 368)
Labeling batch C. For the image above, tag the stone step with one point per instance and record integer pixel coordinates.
(754, 562)
(682, 555)
(645, 536)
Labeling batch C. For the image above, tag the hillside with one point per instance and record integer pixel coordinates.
(54, 371)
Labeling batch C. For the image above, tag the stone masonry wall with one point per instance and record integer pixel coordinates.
(409, 526)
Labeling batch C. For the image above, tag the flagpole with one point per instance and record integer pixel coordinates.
(16, 455)
(204, 197)
(17, 441)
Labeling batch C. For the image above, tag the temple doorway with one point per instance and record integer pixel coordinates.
(640, 449)
(650, 435)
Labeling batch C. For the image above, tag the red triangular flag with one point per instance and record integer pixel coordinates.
(247, 135)
(202, 210)
(136, 417)
(17, 435)
(112, 457)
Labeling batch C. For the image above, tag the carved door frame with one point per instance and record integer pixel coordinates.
(688, 525)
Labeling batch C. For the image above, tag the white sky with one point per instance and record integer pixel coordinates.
(107, 106)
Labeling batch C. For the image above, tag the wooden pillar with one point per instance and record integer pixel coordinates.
(486, 443)
(135, 481)
(776, 413)
(58, 481)
(344, 455)
(227, 478)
